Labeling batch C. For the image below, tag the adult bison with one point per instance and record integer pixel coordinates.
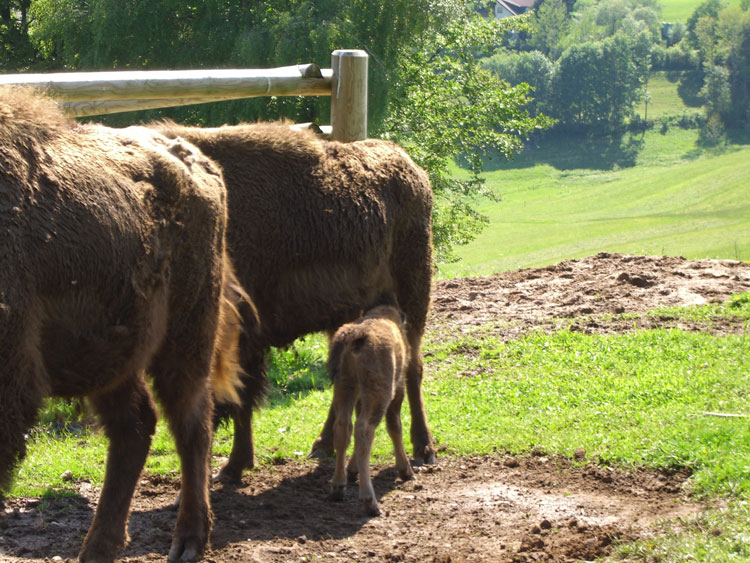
(112, 265)
(317, 231)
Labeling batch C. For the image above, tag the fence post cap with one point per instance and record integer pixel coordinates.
(349, 53)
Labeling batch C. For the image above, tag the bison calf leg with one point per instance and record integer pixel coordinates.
(364, 434)
(323, 445)
(129, 419)
(342, 433)
(393, 425)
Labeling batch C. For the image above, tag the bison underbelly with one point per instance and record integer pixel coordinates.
(314, 298)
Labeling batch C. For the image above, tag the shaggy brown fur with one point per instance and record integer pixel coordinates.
(317, 231)
(112, 266)
(366, 361)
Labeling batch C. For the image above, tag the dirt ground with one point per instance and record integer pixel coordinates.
(486, 508)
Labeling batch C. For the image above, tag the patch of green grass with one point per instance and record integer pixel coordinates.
(632, 399)
(556, 205)
(737, 307)
(664, 99)
(50, 454)
(719, 535)
(299, 368)
(680, 10)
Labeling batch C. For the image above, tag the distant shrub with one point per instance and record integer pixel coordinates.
(691, 120)
(664, 122)
(638, 124)
(674, 58)
(712, 133)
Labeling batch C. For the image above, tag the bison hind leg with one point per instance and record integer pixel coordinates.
(128, 416)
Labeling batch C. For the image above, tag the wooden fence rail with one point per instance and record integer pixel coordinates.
(97, 93)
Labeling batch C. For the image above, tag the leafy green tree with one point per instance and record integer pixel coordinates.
(530, 67)
(550, 25)
(597, 83)
(716, 91)
(733, 30)
(16, 52)
(708, 8)
(444, 105)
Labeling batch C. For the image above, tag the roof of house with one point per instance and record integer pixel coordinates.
(516, 6)
(521, 3)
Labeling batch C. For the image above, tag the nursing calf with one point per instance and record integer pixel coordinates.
(112, 266)
(366, 361)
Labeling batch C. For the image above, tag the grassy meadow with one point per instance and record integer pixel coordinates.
(654, 193)
(680, 10)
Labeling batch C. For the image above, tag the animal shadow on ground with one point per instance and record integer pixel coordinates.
(34, 528)
(299, 503)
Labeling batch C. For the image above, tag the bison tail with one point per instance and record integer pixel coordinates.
(226, 366)
(237, 315)
(335, 357)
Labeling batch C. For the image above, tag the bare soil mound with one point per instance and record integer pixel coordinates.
(585, 294)
(538, 508)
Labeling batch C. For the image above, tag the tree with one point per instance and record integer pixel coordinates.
(15, 47)
(530, 67)
(597, 83)
(444, 105)
(733, 31)
(708, 8)
(550, 25)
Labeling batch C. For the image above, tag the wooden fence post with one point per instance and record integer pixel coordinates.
(349, 95)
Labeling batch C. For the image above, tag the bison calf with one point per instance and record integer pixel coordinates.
(366, 362)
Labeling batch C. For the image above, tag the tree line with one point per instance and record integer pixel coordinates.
(589, 61)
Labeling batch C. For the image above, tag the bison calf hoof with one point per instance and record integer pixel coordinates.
(406, 474)
(425, 457)
(230, 474)
(321, 450)
(337, 493)
(370, 506)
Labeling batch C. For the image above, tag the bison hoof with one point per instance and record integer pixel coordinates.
(407, 474)
(425, 457)
(319, 454)
(370, 506)
(189, 550)
(337, 493)
(321, 450)
(229, 474)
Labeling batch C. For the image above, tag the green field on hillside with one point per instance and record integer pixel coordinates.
(664, 97)
(656, 194)
(680, 10)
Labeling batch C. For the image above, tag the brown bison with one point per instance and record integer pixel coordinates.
(366, 362)
(317, 231)
(112, 267)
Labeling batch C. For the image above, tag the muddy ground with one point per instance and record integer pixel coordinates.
(486, 508)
